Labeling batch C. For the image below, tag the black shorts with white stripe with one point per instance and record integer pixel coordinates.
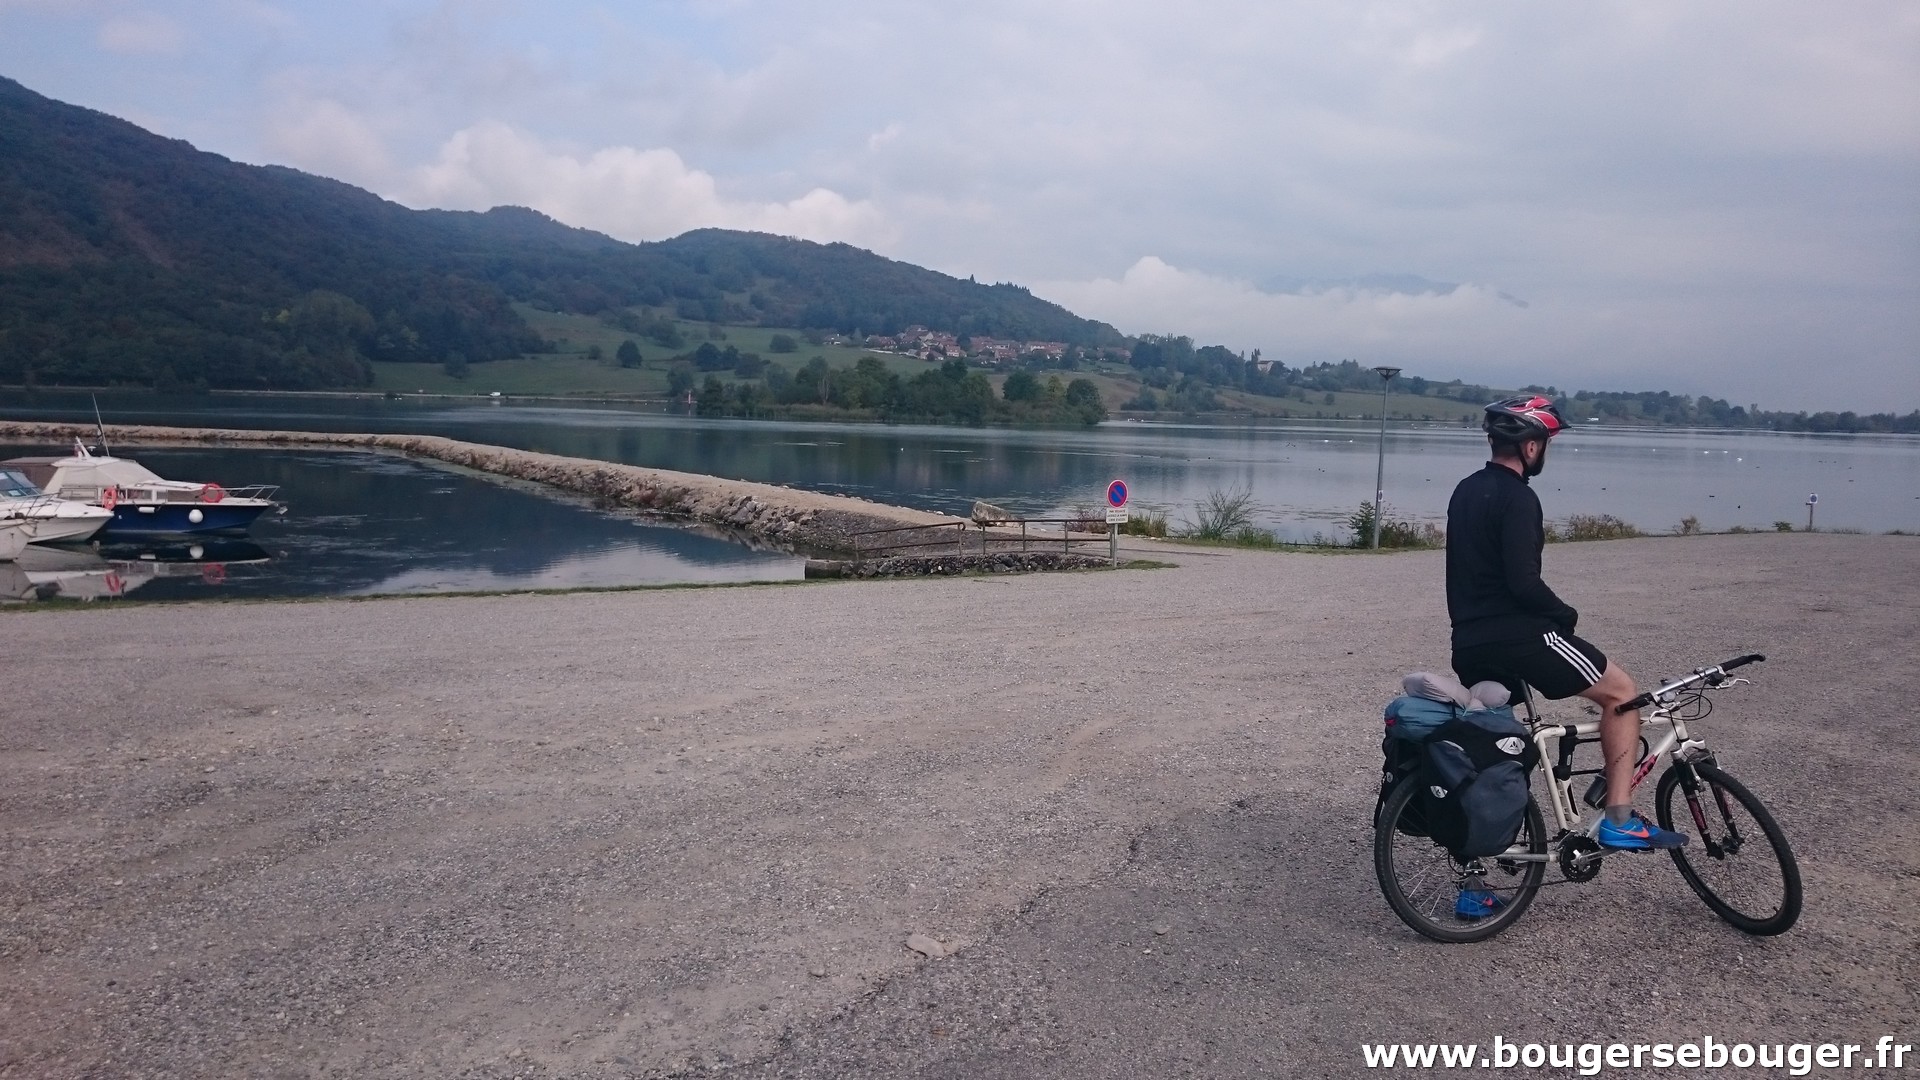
(1556, 665)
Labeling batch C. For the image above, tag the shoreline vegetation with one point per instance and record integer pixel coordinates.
(1225, 518)
(810, 520)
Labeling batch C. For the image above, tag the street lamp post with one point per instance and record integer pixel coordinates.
(1380, 472)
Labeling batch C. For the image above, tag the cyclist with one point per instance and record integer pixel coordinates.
(1508, 626)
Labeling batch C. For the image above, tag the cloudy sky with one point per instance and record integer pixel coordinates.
(1702, 197)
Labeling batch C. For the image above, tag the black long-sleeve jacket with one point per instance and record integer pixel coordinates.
(1495, 532)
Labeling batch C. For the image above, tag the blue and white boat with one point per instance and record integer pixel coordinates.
(142, 503)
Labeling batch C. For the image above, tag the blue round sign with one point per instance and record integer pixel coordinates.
(1117, 494)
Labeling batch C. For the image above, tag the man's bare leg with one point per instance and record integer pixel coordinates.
(1619, 732)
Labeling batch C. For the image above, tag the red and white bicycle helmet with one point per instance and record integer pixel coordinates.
(1523, 418)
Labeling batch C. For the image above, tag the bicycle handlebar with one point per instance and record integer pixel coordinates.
(1710, 675)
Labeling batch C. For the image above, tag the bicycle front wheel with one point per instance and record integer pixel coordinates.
(1736, 857)
(1423, 881)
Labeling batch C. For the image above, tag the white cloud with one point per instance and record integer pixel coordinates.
(269, 17)
(1324, 324)
(141, 33)
(325, 137)
(629, 193)
(1724, 346)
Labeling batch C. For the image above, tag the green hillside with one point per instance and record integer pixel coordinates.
(127, 258)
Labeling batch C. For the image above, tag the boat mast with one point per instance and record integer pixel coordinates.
(100, 427)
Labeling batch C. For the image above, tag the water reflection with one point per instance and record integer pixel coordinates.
(92, 573)
(362, 523)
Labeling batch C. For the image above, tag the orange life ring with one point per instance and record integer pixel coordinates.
(109, 498)
(212, 493)
(114, 583)
(213, 573)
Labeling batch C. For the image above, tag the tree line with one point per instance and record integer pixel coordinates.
(951, 393)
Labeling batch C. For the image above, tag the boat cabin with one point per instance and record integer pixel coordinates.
(84, 478)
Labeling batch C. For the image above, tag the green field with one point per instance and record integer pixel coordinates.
(1119, 385)
(571, 371)
(575, 334)
(563, 375)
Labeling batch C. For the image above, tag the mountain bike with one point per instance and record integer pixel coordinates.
(1736, 858)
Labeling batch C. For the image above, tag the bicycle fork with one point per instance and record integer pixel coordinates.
(1690, 787)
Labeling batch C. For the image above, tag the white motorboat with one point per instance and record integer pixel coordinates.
(138, 502)
(46, 519)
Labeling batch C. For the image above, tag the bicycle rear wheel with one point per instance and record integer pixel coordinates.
(1422, 880)
(1736, 857)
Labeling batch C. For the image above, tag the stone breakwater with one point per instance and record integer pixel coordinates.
(784, 515)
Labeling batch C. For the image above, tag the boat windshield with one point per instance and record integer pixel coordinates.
(15, 485)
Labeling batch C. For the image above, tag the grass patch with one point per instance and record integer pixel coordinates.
(1582, 527)
(1399, 534)
(1151, 523)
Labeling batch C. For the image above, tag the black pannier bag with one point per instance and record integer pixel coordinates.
(1402, 758)
(1409, 721)
(1477, 769)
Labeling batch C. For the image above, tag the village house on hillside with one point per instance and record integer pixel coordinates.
(939, 345)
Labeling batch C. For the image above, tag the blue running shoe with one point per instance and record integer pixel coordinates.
(1638, 834)
(1477, 903)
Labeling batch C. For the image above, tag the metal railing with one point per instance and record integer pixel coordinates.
(945, 534)
(959, 537)
(149, 493)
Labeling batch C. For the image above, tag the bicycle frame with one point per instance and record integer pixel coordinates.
(1674, 742)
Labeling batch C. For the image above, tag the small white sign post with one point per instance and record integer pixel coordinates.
(1812, 501)
(1116, 517)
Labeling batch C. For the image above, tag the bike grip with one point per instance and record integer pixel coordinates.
(1741, 661)
(1640, 702)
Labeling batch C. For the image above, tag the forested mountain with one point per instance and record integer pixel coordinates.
(130, 258)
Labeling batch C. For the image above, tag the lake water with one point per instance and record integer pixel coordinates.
(1306, 478)
(364, 523)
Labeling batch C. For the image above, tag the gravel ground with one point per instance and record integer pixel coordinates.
(619, 834)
